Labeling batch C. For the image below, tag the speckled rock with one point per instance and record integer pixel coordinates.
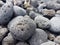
(49, 43)
(3, 32)
(57, 39)
(55, 24)
(6, 13)
(22, 28)
(9, 40)
(22, 43)
(42, 22)
(19, 11)
(47, 12)
(38, 38)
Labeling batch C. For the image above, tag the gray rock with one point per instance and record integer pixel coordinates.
(47, 12)
(22, 43)
(9, 40)
(38, 38)
(6, 13)
(33, 14)
(53, 5)
(42, 22)
(41, 6)
(19, 11)
(49, 43)
(55, 24)
(57, 39)
(34, 3)
(22, 28)
(3, 32)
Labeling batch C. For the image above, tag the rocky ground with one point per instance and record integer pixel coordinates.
(29, 22)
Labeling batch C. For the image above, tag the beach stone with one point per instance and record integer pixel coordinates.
(22, 28)
(3, 32)
(55, 24)
(47, 12)
(53, 5)
(18, 11)
(42, 22)
(9, 40)
(6, 13)
(39, 37)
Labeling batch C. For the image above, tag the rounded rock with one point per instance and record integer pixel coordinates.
(42, 22)
(3, 32)
(18, 11)
(6, 13)
(47, 12)
(38, 38)
(55, 24)
(53, 5)
(9, 40)
(22, 28)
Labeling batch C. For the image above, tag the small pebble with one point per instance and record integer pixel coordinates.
(57, 39)
(3, 32)
(9, 40)
(18, 11)
(42, 22)
(47, 12)
(33, 14)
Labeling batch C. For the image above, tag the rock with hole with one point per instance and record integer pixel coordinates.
(22, 28)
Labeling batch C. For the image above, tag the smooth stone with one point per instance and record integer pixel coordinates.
(55, 24)
(18, 11)
(39, 37)
(53, 5)
(6, 13)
